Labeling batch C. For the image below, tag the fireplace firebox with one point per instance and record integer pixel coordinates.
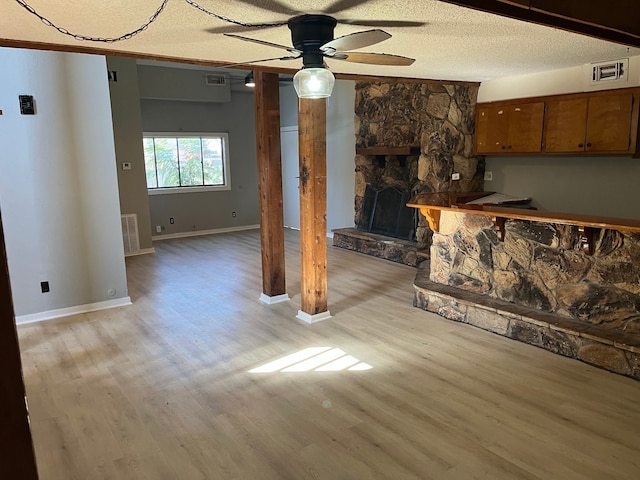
(384, 211)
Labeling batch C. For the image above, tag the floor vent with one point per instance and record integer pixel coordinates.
(610, 72)
(215, 80)
(130, 234)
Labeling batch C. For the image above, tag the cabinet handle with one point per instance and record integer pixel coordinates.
(589, 144)
(580, 145)
(509, 147)
(503, 147)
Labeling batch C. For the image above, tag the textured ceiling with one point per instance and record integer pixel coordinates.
(454, 44)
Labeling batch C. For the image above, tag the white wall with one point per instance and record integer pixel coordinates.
(555, 82)
(340, 156)
(58, 187)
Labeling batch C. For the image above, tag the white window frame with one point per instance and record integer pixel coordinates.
(196, 188)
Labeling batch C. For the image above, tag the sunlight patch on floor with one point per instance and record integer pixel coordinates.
(319, 359)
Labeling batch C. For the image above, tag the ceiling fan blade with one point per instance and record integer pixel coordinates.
(374, 58)
(248, 28)
(250, 62)
(262, 42)
(382, 23)
(353, 41)
(341, 5)
(273, 6)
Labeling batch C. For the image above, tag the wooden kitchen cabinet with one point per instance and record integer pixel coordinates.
(509, 128)
(603, 122)
(594, 124)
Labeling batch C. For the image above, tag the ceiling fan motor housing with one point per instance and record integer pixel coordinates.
(308, 34)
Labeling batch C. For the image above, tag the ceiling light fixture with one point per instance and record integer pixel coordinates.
(313, 82)
(249, 81)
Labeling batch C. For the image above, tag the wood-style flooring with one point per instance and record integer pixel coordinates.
(162, 389)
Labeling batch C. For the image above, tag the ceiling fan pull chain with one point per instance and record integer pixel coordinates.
(230, 20)
(78, 36)
(142, 28)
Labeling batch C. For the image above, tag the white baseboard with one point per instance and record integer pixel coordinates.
(318, 317)
(197, 233)
(142, 251)
(65, 312)
(329, 234)
(275, 299)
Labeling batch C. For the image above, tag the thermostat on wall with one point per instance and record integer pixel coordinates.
(27, 107)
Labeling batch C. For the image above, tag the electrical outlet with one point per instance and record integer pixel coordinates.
(172, 221)
(44, 286)
(233, 214)
(158, 228)
(488, 176)
(455, 176)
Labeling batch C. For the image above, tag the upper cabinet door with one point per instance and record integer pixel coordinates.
(492, 129)
(609, 123)
(566, 122)
(509, 129)
(525, 128)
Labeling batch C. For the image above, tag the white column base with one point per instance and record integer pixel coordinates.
(275, 299)
(318, 317)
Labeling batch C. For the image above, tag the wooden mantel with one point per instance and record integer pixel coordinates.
(432, 204)
(388, 150)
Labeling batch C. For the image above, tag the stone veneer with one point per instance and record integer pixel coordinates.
(393, 249)
(612, 350)
(541, 268)
(435, 118)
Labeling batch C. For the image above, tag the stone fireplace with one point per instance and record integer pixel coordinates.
(410, 138)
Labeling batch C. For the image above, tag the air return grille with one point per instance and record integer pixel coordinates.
(130, 234)
(614, 71)
(215, 80)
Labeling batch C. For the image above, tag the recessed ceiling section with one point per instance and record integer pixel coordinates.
(448, 42)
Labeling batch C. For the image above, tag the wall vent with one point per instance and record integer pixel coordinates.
(215, 79)
(609, 72)
(130, 234)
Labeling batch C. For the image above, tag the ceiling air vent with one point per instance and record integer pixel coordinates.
(614, 71)
(215, 79)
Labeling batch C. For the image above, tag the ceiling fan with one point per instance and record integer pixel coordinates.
(312, 40)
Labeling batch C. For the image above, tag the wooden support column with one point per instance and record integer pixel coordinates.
(267, 108)
(16, 447)
(312, 139)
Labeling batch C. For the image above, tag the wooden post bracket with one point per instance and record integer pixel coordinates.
(498, 223)
(433, 217)
(587, 234)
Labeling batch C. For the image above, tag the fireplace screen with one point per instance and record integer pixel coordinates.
(385, 212)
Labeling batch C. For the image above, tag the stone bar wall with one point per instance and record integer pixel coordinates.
(541, 266)
(437, 118)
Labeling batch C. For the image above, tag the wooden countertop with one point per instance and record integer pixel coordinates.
(431, 204)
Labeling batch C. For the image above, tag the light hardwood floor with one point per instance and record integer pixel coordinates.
(162, 389)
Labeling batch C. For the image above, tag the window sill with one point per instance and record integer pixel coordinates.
(172, 190)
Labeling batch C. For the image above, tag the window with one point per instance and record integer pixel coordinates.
(177, 163)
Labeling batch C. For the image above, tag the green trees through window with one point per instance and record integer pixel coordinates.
(185, 161)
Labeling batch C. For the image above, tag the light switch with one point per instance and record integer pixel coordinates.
(126, 165)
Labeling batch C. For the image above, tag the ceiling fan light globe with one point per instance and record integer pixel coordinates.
(313, 83)
(249, 81)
